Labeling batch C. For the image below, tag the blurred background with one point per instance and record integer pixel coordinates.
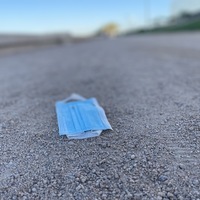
(36, 22)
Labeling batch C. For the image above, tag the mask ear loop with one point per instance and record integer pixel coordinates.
(73, 97)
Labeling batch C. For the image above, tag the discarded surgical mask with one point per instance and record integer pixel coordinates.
(80, 118)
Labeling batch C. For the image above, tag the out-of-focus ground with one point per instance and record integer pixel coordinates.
(7, 40)
(13, 43)
(149, 87)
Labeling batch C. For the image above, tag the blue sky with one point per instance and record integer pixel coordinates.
(76, 16)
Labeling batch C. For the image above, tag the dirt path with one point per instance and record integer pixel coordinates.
(149, 87)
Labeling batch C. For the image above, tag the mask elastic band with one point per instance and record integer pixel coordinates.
(74, 97)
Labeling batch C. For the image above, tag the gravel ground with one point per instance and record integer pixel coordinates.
(149, 88)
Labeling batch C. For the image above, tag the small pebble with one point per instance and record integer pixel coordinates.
(83, 179)
(132, 156)
(162, 178)
(71, 143)
(34, 190)
(170, 195)
(79, 187)
(162, 194)
(104, 196)
(195, 182)
(31, 151)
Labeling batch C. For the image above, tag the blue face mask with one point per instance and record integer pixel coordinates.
(82, 118)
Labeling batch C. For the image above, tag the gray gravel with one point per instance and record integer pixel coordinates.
(149, 88)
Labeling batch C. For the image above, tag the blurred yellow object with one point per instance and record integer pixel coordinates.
(110, 29)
